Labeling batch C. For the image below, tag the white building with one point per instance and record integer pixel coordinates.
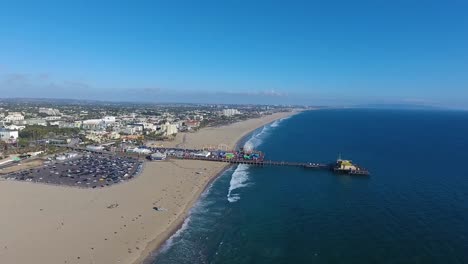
(15, 127)
(49, 111)
(230, 112)
(132, 129)
(93, 124)
(169, 129)
(62, 124)
(129, 130)
(53, 118)
(109, 119)
(148, 126)
(8, 135)
(34, 121)
(14, 116)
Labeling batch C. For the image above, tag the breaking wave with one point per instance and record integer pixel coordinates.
(258, 137)
(277, 122)
(240, 176)
(238, 180)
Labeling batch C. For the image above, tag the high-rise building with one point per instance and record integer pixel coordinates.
(230, 112)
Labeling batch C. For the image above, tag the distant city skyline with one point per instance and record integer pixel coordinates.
(242, 52)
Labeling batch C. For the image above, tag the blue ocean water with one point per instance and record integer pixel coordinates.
(412, 209)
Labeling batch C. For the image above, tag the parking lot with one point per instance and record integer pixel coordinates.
(87, 170)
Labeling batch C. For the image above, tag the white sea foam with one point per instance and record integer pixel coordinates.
(238, 180)
(241, 175)
(257, 138)
(279, 121)
(276, 123)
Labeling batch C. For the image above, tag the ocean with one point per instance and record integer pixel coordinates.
(412, 209)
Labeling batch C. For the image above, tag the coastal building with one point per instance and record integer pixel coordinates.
(147, 126)
(169, 129)
(53, 118)
(109, 119)
(67, 124)
(15, 127)
(14, 117)
(230, 112)
(190, 124)
(101, 136)
(49, 111)
(132, 129)
(8, 135)
(198, 117)
(34, 121)
(93, 124)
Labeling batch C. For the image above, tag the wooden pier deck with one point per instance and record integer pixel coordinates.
(262, 162)
(255, 162)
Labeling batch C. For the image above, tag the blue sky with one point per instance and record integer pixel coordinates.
(304, 52)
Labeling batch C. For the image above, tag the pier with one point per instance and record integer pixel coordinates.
(336, 168)
(250, 157)
(262, 162)
(238, 157)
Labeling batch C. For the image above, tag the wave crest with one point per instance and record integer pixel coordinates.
(238, 180)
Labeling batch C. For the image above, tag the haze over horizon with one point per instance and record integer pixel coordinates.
(267, 52)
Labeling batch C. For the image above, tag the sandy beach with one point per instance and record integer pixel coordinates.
(53, 224)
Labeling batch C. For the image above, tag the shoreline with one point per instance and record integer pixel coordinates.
(117, 224)
(153, 248)
(152, 253)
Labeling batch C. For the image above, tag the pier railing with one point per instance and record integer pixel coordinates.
(257, 162)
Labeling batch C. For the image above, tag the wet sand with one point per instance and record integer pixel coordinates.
(54, 224)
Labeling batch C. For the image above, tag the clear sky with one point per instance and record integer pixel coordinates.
(305, 52)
